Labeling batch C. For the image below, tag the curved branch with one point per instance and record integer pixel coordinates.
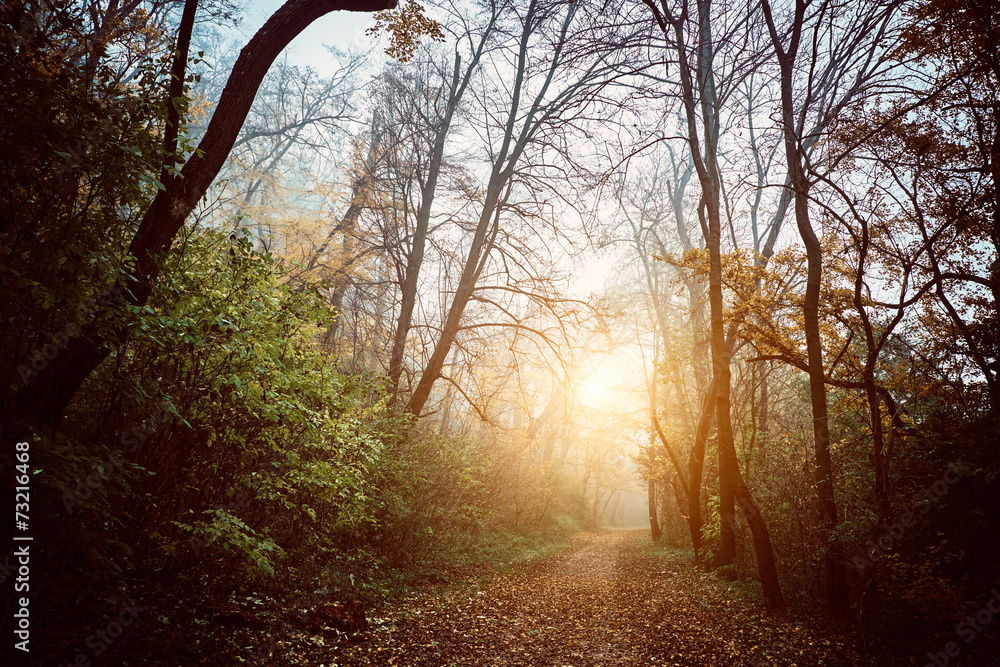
(50, 393)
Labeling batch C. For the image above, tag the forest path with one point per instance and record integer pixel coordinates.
(608, 599)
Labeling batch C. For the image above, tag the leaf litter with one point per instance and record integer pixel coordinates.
(609, 599)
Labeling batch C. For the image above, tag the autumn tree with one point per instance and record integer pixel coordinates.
(846, 53)
(689, 37)
(923, 240)
(951, 171)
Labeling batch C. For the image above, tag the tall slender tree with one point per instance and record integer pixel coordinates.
(846, 47)
(690, 38)
(550, 77)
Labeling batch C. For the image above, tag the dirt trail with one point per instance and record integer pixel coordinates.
(606, 600)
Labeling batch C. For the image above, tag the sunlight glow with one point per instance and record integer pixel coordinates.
(593, 392)
(602, 388)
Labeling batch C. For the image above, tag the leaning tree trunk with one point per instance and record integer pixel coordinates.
(415, 258)
(836, 569)
(728, 466)
(51, 390)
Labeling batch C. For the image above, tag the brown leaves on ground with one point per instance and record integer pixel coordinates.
(607, 600)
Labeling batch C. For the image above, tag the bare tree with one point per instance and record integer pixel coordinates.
(691, 39)
(537, 107)
(846, 50)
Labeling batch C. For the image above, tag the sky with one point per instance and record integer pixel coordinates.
(338, 29)
(346, 29)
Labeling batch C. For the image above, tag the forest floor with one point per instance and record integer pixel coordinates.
(608, 599)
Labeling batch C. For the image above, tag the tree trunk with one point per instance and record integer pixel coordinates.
(728, 466)
(175, 93)
(415, 258)
(836, 568)
(706, 166)
(449, 400)
(48, 395)
(654, 524)
(727, 515)
(481, 246)
(763, 408)
(348, 225)
(696, 464)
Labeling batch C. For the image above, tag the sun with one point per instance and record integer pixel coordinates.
(594, 392)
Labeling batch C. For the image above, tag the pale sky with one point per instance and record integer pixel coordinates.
(346, 29)
(338, 29)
